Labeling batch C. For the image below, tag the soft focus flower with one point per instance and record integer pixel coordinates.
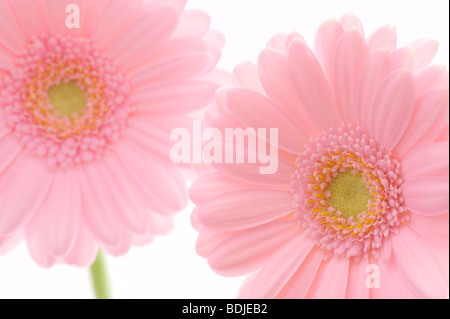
(85, 120)
(360, 198)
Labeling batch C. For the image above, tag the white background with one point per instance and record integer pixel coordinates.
(170, 268)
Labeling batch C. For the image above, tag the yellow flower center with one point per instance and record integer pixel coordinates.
(349, 194)
(67, 99)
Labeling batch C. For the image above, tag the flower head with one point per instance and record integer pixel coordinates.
(362, 179)
(86, 111)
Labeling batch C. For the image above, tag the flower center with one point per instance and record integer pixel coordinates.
(349, 194)
(67, 99)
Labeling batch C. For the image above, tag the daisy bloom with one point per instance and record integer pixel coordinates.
(89, 92)
(358, 207)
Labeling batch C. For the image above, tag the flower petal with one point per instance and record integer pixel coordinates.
(392, 109)
(326, 41)
(357, 274)
(417, 266)
(425, 51)
(11, 36)
(426, 160)
(247, 250)
(384, 37)
(331, 279)
(245, 208)
(427, 196)
(245, 75)
(312, 86)
(434, 228)
(84, 251)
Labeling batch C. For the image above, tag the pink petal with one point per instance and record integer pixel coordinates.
(443, 135)
(326, 41)
(299, 284)
(392, 285)
(58, 218)
(32, 24)
(357, 274)
(37, 247)
(8, 243)
(404, 58)
(434, 228)
(312, 86)
(273, 70)
(211, 185)
(134, 45)
(245, 75)
(417, 266)
(426, 160)
(171, 70)
(192, 23)
(425, 50)
(11, 36)
(256, 111)
(350, 21)
(6, 59)
(178, 98)
(384, 37)
(84, 251)
(432, 77)
(245, 208)
(428, 119)
(55, 11)
(351, 56)
(122, 248)
(392, 109)
(375, 71)
(23, 186)
(208, 240)
(10, 149)
(331, 279)
(427, 196)
(277, 42)
(281, 267)
(247, 250)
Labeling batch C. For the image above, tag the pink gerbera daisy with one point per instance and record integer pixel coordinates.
(358, 207)
(87, 103)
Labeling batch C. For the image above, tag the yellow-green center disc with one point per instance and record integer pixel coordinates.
(349, 194)
(67, 98)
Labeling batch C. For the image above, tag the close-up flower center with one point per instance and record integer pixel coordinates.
(65, 100)
(347, 192)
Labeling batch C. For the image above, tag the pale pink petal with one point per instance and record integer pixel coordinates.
(357, 275)
(56, 14)
(351, 56)
(331, 279)
(326, 41)
(208, 240)
(58, 218)
(8, 243)
(433, 228)
(350, 21)
(23, 186)
(273, 71)
(160, 225)
(245, 75)
(10, 149)
(384, 37)
(247, 250)
(84, 251)
(6, 59)
(417, 266)
(427, 196)
(122, 248)
(428, 119)
(443, 135)
(31, 16)
(299, 284)
(245, 208)
(99, 213)
(392, 285)
(432, 77)
(192, 23)
(178, 98)
(281, 267)
(11, 36)
(375, 71)
(211, 185)
(277, 42)
(427, 160)
(253, 110)
(131, 47)
(94, 11)
(392, 109)
(404, 58)
(312, 86)
(425, 50)
(171, 70)
(37, 247)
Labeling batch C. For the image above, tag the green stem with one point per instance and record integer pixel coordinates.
(99, 275)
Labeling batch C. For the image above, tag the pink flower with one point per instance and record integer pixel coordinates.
(85, 119)
(358, 207)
